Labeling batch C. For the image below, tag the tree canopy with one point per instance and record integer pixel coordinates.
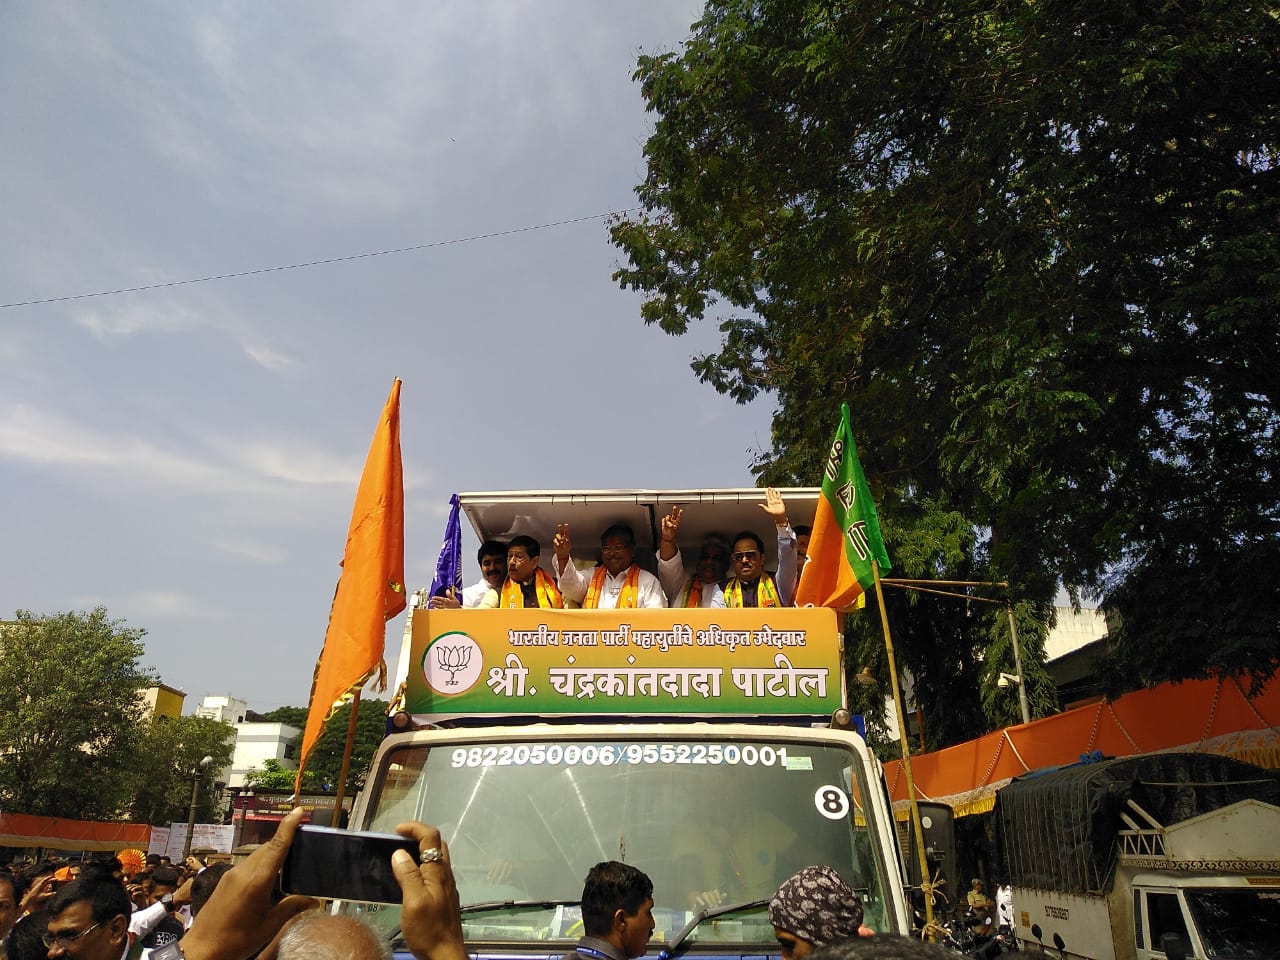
(1034, 246)
(273, 778)
(169, 753)
(325, 764)
(71, 718)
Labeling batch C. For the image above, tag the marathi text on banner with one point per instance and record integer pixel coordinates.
(633, 662)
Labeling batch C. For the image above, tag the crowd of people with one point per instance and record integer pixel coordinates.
(238, 914)
(728, 572)
(161, 899)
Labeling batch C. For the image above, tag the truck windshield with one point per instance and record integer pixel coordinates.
(711, 822)
(1236, 923)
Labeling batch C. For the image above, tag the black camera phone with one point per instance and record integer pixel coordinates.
(344, 864)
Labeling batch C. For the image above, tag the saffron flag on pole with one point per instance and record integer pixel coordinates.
(449, 563)
(371, 585)
(846, 533)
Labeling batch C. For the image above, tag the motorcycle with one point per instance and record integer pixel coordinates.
(988, 941)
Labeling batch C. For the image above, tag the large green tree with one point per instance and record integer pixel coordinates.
(164, 767)
(70, 716)
(325, 764)
(1034, 245)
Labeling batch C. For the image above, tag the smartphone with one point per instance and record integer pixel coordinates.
(344, 864)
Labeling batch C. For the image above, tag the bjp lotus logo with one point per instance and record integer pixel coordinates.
(452, 663)
(452, 660)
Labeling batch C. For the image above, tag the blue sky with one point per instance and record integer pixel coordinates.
(188, 456)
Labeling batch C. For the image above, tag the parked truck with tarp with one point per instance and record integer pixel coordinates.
(1152, 856)
(711, 748)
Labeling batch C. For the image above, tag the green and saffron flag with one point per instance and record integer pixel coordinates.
(846, 534)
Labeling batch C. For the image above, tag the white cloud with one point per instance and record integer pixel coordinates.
(251, 550)
(147, 603)
(117, 319)
(164, 603)
(225, 467)
(35, 436)
(295, 464)
(266, 357)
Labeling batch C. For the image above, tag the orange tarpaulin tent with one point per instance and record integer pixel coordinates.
(1209, 716)
(62, 833)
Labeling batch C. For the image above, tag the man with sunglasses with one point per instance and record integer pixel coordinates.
(89, 920)
(751, 585)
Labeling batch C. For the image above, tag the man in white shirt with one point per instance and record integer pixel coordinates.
(492, 558)
(701, 588)
(618, 583)
(1004, 905)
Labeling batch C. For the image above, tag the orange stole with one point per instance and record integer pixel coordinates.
(626, 599)
(548, 592)
(693, 593)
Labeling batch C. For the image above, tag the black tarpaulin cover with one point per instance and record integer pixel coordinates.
(1057, 830)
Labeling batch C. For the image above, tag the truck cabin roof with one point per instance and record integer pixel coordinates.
(502, 515)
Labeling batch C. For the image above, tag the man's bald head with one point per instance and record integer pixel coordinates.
(324, 936)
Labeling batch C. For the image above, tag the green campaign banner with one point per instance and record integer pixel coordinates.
(688, 662)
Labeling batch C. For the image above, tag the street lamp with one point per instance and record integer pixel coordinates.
(196, 776)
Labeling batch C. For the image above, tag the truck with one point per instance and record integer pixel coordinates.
(1149, 857)
(711, 748)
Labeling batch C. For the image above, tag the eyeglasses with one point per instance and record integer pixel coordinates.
(746, 555)
(65, 940)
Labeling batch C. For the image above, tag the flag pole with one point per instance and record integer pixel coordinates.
(926, 882)
(346, 762)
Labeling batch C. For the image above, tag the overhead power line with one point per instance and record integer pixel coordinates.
(314, 263)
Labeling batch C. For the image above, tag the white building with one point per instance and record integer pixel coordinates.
(231, 710)
(1074, 629)
(256, 741)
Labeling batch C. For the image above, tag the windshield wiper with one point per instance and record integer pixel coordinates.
(706, 913)
(489, 906)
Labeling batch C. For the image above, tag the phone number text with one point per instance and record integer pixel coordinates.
(608, 754)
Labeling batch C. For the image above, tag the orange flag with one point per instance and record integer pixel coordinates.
(371, 586)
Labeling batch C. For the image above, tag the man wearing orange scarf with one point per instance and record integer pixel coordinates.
(618, 583)
(527, 584)
(701, 588)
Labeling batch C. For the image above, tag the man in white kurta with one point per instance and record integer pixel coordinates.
(617, 583)
(701, 587)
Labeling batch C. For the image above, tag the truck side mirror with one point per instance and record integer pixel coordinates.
(1037, 932)
(1173, 946)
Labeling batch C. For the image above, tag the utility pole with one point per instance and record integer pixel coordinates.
(196, 776)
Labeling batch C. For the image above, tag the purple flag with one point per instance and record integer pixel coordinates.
(449, 565)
